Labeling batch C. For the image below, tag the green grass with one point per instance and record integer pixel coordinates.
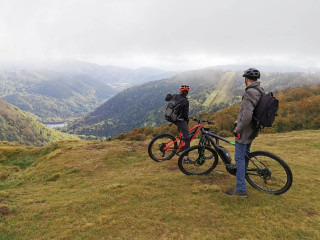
(113, 190)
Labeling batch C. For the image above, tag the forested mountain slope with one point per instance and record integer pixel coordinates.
(211, 90)
(299, 110)
(16, 125)
(52, 96)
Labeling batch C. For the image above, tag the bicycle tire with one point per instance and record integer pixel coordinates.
(269, 173)
(195, 167)
(154, 148)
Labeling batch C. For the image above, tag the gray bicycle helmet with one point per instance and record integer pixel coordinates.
(251, 73)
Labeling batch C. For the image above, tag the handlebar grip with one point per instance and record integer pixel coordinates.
(197, 120)
(194, 119)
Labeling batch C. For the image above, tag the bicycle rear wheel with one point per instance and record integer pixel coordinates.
(202, 160)
(268, 173)
(162, 147)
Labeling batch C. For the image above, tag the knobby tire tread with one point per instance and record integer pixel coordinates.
(182, 169)
(282, 163)
(155, 139)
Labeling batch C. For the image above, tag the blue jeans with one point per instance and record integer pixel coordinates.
(240, 156)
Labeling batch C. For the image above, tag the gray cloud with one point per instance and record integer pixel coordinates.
(162, 33)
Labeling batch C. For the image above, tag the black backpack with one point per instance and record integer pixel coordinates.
(265, 112)
(173, 109)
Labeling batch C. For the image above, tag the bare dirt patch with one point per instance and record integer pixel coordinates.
(4, 211)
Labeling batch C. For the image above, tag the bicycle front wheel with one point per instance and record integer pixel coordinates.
(162, 147)
(268, 173)
(202, 160)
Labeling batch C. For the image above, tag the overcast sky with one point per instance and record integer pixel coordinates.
(167, 34)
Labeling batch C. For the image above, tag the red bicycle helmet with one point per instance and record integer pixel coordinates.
(185, 88)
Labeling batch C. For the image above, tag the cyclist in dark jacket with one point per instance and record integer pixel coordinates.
(183, 117)
(244, 130)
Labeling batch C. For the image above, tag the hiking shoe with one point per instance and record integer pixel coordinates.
(237, 193)
(187, 161)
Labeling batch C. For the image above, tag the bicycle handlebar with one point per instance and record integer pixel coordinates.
(200, 120)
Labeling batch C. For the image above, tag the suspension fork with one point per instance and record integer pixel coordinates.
(249, 159)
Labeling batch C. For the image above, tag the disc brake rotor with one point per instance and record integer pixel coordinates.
(161, 147)
(265, 174)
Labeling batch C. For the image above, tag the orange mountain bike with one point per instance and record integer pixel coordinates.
(165, 146)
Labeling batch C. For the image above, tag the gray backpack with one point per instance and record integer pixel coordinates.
(173, 110)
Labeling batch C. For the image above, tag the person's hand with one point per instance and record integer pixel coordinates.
(235, 126)
(237, 135)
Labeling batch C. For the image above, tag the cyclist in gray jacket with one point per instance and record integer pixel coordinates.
(244, 129)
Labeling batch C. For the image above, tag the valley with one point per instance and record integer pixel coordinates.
(144, 105)
(69, 89)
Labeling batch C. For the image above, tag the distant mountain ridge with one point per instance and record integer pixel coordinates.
(117, 77)
(267, 68)
(58, 91)
(211, 90)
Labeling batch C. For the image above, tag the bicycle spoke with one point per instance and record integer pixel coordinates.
(201, 161)
(162, 147)
(268, 173)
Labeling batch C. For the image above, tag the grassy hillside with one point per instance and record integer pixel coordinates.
(16, 125)
(144, 105)
(113, 190)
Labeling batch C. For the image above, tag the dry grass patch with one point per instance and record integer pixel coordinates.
(113, 190)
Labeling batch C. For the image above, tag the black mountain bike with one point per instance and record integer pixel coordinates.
(264, 171)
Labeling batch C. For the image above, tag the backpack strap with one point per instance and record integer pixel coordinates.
(256, 87)
(255, 118)
(179, 103)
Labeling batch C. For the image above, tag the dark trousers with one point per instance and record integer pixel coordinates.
(184, 128)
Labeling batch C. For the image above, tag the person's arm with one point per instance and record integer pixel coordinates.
(169, 97)
(247, 106)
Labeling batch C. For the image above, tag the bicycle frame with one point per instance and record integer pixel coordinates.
(209, 136)
(193, 132)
